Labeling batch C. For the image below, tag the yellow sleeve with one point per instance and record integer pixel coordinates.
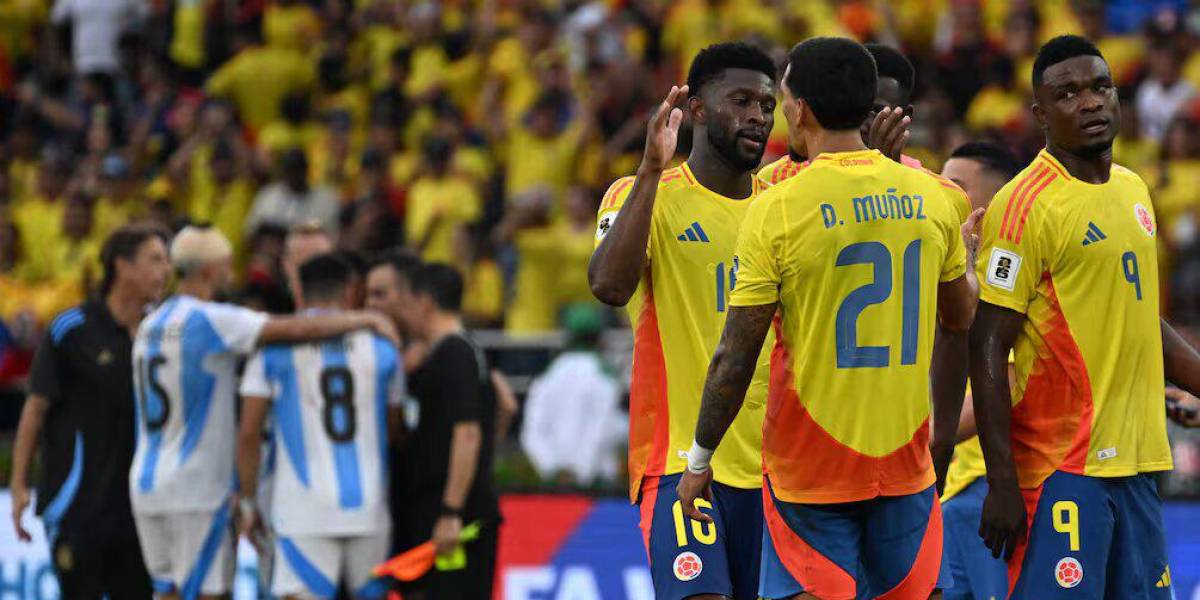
(955, 264)
(610, 207)
(755, 263)
(221, 82)
(1010, 257)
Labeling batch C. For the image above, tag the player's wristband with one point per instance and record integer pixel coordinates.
(698, 458)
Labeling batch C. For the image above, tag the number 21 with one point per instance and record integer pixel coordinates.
(849, 354)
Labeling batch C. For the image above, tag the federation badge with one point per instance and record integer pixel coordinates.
(605, 225)
(1144, 219)
(1068, 572)
(687, 566)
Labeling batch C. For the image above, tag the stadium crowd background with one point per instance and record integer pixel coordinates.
(483, 133)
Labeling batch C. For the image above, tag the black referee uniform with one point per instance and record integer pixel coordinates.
(452, 385)
(82, 368)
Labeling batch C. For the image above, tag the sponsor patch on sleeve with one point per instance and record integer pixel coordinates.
(1003, 268)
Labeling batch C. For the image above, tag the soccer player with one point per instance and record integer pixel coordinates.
(1069, 280)
(980, 169)
(81, 394)
(184, 361)
(862, 256)
(884, 128)
(665, 248)
(331, 402)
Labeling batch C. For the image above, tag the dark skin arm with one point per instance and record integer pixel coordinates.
(1181, 362)
(992, 337)
(617, 265)
(948, 377)
(729, 376)
(957, 302)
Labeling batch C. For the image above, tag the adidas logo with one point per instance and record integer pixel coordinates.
(695, 233)
(1165, 580)
(1093, 234)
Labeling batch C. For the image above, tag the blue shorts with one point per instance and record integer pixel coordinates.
(688, 557)
(976, 574)
(893, 545)
(1092, 538)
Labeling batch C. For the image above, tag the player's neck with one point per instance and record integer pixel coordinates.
(825, 141)
(196, 289)
(125, 306)
(715, 173)
(441, 325)
(1088, 169)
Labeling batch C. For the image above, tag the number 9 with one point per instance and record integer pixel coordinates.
(1066, 520)
(1130, 265)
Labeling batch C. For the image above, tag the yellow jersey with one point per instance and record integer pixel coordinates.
(1080, 262)
(852, 249)
(677, 314)
(782, 169)
(436, 208)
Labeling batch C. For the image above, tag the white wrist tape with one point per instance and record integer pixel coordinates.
(698, 458)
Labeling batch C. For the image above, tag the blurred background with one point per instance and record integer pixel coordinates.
(483, 133)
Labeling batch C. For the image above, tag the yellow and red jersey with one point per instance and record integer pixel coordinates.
(852, 248)
(678, 313)
(780, 170)
(1080, 262)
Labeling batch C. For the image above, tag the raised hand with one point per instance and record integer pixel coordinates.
(662, 136)
(888, 132)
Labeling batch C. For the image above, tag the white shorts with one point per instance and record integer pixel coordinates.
(190, 553)
(311, 566)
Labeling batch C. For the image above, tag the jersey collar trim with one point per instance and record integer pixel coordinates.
(1054, 164)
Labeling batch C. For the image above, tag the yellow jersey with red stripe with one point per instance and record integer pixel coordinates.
(1080, 262)
(852, 248)
(677, 314)
(782, 169)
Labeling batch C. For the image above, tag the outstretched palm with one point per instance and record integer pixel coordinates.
(663, 134)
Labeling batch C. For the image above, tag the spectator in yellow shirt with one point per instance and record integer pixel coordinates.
(122, 200)
(39, 216)
(72, 254)
(577, 246)
(258, 78)
(441, 205)
(294, 129)
(538, 241)
(544, 150)
(226, 202)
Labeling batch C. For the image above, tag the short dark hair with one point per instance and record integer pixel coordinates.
(358, 264)
(442, 283)
(992, 156)
(890, 62)
(711, 62)
(325, 276)
(1059, 49)
(836, 77)
(124, 244)
(404, 263)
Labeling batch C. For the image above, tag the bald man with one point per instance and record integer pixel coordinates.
(185, 355)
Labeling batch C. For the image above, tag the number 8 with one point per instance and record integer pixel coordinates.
(337, 389)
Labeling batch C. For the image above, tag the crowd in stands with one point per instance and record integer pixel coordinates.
(481, 133)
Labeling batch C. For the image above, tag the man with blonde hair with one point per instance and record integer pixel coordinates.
(184, 361)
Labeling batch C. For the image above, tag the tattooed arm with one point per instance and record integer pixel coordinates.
(729, 375)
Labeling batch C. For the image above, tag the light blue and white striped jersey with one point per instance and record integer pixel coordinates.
(330, 402)
(185, 380)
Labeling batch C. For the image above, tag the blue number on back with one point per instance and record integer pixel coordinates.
(849, 354)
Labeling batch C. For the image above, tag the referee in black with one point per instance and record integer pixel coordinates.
(81, 405)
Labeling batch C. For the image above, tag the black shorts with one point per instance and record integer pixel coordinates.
(100, 559)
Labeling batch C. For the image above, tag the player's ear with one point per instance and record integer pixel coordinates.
(696, 109)
(1039, 113)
